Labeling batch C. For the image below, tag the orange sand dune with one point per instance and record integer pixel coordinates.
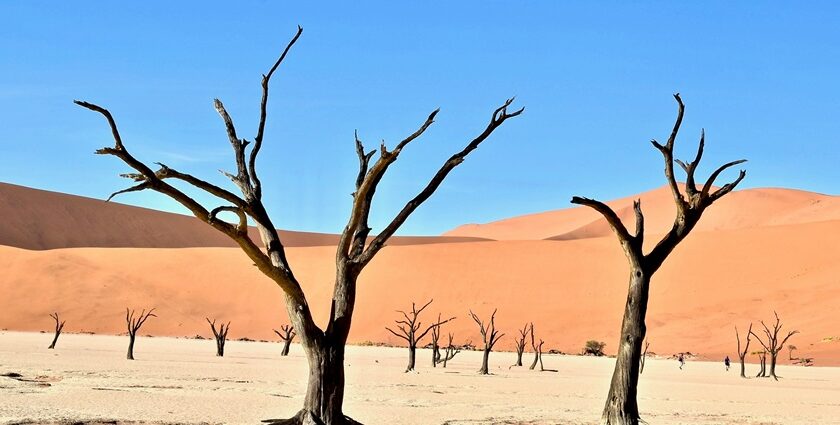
(38, 219)
(738, 210)
(572, 290)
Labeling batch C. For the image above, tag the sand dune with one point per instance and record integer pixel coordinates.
(739, 210)
(573, 290)
(39, 219)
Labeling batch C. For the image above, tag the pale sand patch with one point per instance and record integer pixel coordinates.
(181, 381)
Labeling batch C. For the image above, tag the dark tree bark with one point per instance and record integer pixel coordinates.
(134, 323)
(286, 334)
(58, 328)
(774, 344)
(743, 353)
(490, 336)
(220, 335)
(409, 328)
(450, 352)
(621, 406)
(534, 348)
(324, 348)
(644, 356)
(762, 358)
(520, 343)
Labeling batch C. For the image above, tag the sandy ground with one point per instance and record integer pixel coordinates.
(181, 381)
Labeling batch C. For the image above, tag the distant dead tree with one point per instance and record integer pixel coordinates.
(490, 336)
(537, 353)
(449, 352)
(762, 357)
(520, 342)
(220, 335)
(790, 352)
(409, 328)
(134, 324)
(286, 334)
(436, 356)
(58, 328)
(743, 353)
(324, 348)
(644, 356)
(773, 344)
(621, 405)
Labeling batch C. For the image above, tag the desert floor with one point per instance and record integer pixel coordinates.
(87, 378)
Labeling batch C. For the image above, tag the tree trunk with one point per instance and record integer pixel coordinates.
(130, 354)
(484, 363)
(412, 354)
(519, 357)
(55, 340)
(220, 347)
(773, 358)
(621, 407)
(534, 363)
(286, 345)
(743, 368)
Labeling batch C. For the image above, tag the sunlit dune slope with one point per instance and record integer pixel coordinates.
(573, 290)
(739, 210)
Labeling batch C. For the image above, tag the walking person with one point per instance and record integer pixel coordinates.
(681, 359)
(726, 362)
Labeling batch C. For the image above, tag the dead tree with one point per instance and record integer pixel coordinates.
(409, 328)
(762, 358)
(450, 352)
(790, 352)
(534, 348)
(743, 353)
(58, 328)
(324, 347)
(134, 324)
(220, 335)
(538, 356)
(644, 356)
(286, 334)
(520, 342)
(773, 345)
(436, 357)
(621, 405)
(490, 336)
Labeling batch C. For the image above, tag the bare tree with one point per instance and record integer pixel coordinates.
(520, 343)
(743, 353)
(286, 334)
(450, 352)
(324, 348)
(134, 324)
(490, 336)
(644, 356)
(409, 328)
(762, 358)
(534, 348)
(58, 328)
(621, 406)
(773, 344)
(220, 335)
(538, 355)
(436, 357)
(790, 352)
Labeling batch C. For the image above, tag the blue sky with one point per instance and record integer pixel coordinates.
(596, 79)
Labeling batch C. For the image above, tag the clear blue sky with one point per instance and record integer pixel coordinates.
(596, 80)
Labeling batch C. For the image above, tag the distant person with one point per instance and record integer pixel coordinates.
(726, 362)
(681, 359)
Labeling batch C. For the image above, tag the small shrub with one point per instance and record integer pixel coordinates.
(594, 348)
